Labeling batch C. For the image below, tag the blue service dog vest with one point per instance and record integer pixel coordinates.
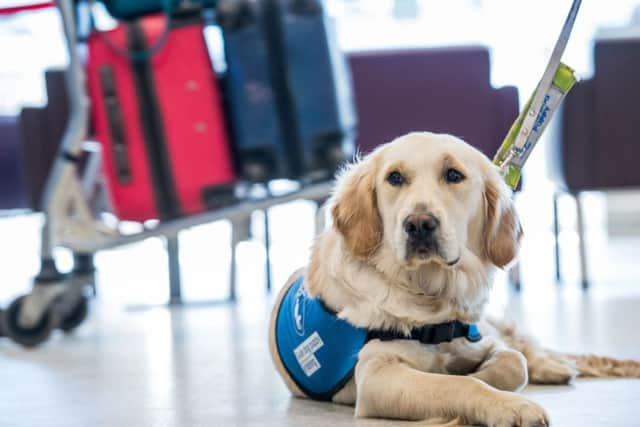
(320, 351)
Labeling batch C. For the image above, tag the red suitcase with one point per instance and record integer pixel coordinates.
(158, 115)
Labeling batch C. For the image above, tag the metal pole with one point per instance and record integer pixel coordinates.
(173, 256)
(514, 277)
(63, 171)
(320, 217)
(582, 235)
(233, 213)
(267, 248)
(556, 237)
(236, 233)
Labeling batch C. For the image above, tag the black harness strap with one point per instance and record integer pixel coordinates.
(436, 333)
(431, 334)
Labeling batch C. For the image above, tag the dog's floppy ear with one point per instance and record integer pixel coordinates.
(354, 208)
(502, 229)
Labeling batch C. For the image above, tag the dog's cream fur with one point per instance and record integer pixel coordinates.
(360, 267)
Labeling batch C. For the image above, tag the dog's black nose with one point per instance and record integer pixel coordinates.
(420, 226)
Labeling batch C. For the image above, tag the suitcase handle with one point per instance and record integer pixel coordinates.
(306, 7)
(142, 55)
(116, 124)
(233, 14)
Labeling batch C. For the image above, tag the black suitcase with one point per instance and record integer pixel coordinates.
(317, 81)
(249, 91)
(288, 89)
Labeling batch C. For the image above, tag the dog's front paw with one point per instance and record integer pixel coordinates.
(551, 369)
(510, 409)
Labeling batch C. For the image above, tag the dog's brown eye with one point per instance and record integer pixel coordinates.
(395, 178)
(453, 176)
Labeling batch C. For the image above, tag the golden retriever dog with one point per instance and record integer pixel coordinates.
(419, 227)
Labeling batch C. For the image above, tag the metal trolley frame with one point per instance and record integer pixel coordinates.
(71, 219)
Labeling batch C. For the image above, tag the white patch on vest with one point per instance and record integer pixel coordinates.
(304, 353)
(310, 365)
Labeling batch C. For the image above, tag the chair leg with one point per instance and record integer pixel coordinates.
(320, 217)
(514, 277)
(233, 273)
(173, 256)
(238, 231)
(556, 237)
(267, 248)
(584, 273)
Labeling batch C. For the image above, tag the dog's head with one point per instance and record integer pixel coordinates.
(425, 198)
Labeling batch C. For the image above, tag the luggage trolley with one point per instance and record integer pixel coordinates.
(73, 199)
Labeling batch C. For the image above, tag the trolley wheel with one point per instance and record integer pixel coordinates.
(28, 337)
(76, 317)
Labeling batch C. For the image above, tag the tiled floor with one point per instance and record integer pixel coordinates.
(209, 365)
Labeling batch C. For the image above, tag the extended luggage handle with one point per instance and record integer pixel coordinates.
(139, 55)
(232, 14)
(305, 7)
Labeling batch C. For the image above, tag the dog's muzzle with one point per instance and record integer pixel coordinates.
(421, 231)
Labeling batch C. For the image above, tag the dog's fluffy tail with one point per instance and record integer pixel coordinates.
(598, 366)
(552, 367)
